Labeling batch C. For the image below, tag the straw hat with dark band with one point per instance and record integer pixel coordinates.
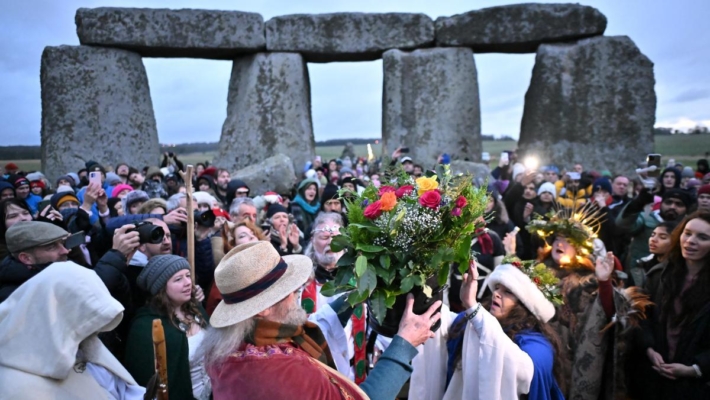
(253, 277)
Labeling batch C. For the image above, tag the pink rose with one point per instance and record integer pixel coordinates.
(456, 212)
(461, 202)
(405, 190)
(430, 199)
(373, 210)
(386, 189)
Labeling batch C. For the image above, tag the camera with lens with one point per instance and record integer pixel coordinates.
(148, 233)
(205, 218)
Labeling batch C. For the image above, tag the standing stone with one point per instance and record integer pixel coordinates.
(275, 174)
(268, 112)
(95, 106)
(172, 33)
(519, 28)
(430, 104)
(591, 102)
(348, 36)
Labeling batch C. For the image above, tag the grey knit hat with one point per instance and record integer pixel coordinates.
(159, 270)
(132, 197)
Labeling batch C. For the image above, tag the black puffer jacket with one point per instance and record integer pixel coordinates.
(13, 274)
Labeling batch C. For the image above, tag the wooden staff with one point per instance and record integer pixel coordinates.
(161, 359)
(187, 178)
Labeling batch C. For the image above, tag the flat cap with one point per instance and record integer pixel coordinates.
(26, 235)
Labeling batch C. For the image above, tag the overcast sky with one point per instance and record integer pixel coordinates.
(189, 96)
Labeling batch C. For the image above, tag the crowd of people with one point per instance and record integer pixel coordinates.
(585, 285)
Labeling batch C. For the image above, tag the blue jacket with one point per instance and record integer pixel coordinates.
(33, 202)
(94, 209)
(543, 385)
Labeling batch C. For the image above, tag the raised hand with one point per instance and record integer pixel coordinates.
(469, 286)
(416, 329)
(605, 266)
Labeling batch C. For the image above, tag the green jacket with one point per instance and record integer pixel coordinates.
(638, 225)
(140, 360)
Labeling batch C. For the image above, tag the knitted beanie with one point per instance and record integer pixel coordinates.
(705, 189)
(113, 179)
(120, 188)
(548, 187)
(158, 272)
(274, 209)
(687, 173)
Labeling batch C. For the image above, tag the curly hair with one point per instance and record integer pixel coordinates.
(229, 238)
(162, 305)
(520, 319)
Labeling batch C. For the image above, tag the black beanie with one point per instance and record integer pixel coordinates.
(330, 192)
(679, 194)
(274, 209)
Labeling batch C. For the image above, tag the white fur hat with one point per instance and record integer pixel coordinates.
(204, 198)
(524, 289)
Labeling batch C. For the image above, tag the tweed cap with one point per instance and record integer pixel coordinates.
(26, 235)
(159, 270)
(253, 277)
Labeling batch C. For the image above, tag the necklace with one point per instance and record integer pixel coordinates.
(186, 324)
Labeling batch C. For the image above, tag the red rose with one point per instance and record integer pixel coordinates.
(516, 264)
(386, 189)
(430, 199)
(405, 190)
(536, 280)
(461, 202)
(373, 210)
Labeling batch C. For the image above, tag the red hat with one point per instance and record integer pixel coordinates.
(218, 212)
(211, 170)
(11, 167)
(35, 184)
(705, 189)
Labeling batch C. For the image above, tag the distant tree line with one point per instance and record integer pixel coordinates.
(34, 152)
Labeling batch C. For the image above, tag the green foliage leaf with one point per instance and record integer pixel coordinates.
(387, 275)
(408, 283)
(443, 274)
(360, 266)
(370, 248)
(378, 305)
(347, 260)
(343, 277)
(356, 298)
(370, 227)
(339, 243)
(385, 261)
(368, 281)
(328, 289)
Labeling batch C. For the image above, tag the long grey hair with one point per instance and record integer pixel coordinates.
(219, 343)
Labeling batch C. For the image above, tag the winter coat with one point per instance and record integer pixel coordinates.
(13, 274)
(140, 360)
(693, 346)
(638, 226)
(43, 325)
(232, 187)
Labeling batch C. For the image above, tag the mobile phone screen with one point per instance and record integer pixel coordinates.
(95, 177)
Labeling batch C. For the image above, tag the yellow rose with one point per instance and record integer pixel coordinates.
(426, 184)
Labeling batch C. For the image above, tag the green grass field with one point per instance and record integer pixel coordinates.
(686, 149)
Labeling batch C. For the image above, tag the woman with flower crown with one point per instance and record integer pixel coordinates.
(591, 303)
(501, 351)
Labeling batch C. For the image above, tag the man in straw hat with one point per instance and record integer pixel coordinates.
(263, 347)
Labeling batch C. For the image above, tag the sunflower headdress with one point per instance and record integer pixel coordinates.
(579, 225)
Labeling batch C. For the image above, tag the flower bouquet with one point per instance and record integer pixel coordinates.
(403, 238)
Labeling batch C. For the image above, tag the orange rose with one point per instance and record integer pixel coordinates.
(388, 201)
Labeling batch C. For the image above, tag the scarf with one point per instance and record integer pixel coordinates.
(485, 240)
(310, 209)
(307, 337)
(323, 275)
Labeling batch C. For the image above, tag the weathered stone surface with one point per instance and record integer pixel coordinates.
(431, 105)
(268, 112)
(519, 28)
(348, 36)
(95, 106)
(591, 102)
(480, 172)
(172, 33)
(273, 174)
